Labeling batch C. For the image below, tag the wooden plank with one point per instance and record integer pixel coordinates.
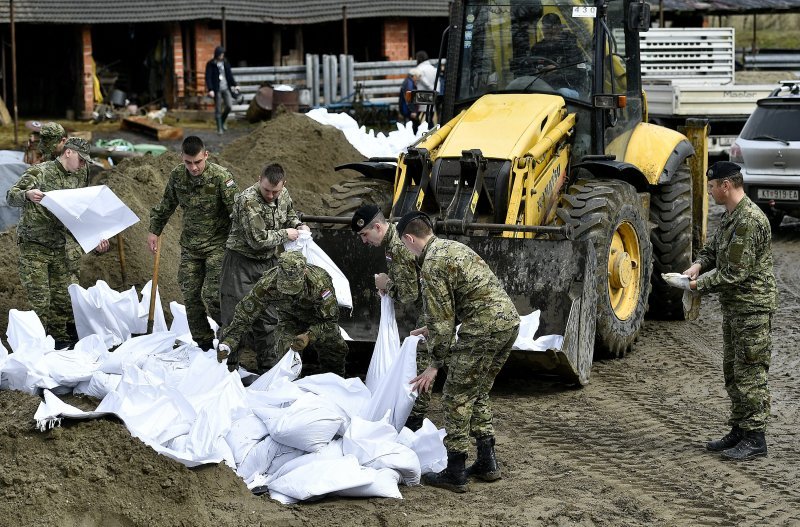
(143, 125)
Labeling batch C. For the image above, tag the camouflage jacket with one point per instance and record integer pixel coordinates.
(37, 224)
(458, 287)
(314, 308)
(258, 227)
(740, 252)
(207, 202)
(403, 269)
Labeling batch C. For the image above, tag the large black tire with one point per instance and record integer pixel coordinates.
(347, 196)
(671, 213)
(609, 213)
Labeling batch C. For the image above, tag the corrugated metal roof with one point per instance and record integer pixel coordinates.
(280, 12)
(715, 7)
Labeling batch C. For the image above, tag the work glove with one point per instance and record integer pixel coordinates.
(681, 281)
(223, 350)
(300, 342)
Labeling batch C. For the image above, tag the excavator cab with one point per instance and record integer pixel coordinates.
(546, 167)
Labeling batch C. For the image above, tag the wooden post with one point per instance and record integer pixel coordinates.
(661, 13)
(154, 288)
(754, 49)
(224, 31)
(344, 27)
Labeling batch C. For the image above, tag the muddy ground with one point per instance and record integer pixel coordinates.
(628, 449)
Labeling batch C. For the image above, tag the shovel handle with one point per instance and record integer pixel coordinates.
(154, 287)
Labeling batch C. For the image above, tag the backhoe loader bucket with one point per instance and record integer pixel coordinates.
(553, 276)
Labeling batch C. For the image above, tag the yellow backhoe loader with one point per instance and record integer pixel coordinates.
(546, 166)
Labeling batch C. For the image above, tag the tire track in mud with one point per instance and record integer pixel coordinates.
(640, 427)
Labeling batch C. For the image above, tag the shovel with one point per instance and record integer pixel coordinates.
(154, 288)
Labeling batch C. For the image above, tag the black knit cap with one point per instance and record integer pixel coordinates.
(362, 217)
(723, 169)
(409, 217)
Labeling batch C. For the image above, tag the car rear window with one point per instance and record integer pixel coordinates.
(780, 121)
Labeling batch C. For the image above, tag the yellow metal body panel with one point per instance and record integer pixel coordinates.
(503, 126)
(649, 149)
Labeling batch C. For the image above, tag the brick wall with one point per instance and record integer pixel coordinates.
(395, 39)
(206, 40)
(177, 61)
(88, 84)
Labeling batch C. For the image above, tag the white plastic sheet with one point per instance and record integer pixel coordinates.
(316, 256)
(394, 392)
(91, 214)
(387, 345)
(288, 367)
(136, 349)
(529, 324)
(25, 331)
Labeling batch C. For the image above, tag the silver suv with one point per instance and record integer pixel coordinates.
(768, 150)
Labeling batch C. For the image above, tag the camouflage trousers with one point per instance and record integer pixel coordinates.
(198, 277)
(472, 366)
(423, 401)
(45, 277)
(330, 347)
(746, 356)
(239, 275)
(74, 255)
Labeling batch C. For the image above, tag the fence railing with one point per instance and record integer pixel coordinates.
(331, 80)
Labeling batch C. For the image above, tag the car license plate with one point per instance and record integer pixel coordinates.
(769, 193)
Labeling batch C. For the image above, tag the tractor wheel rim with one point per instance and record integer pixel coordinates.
(624, 271)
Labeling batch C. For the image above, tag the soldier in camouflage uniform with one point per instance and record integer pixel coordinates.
(42, 238)
(205, 191)
(740, 254)
(52, 137)
(401, 283)
(308, 314)
(263, 218)
(458, 287)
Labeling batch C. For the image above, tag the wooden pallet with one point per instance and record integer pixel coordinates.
(143, 125)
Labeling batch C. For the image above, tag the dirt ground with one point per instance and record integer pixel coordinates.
(626, 450)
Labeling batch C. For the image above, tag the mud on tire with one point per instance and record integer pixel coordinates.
(671, 213)
(598, 211)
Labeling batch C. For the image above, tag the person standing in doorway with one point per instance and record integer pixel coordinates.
(221, 87)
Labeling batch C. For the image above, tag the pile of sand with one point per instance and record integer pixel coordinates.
(307, 150)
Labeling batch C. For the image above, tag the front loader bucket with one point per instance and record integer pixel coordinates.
(553, 276)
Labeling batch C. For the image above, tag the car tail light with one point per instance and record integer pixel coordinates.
(736, 153)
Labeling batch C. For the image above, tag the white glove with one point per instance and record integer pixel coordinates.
(223, 350)
(681, 281)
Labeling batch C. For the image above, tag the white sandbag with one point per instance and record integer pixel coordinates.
(25, 331)
(282, 392)
(22, 372)
(99, 385)
(322, 477)
(103, 311)
(244, 434)
(525, 341)
(308, 424)
(394, 391)
(180, 324)
(136, 349)
(387, 345)
(69, 367)
(316, 256)
(427, 443)
(288, 367)
(373, 444)
(260, 458)
(350, 395)
(384, 485)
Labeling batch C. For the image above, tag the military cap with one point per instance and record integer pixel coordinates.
(364, 215)
(723, 169)
(291, 272)
(80, 147)
(409, 217)
(52, 132)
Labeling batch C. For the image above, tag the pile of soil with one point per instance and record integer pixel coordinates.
(308, 151)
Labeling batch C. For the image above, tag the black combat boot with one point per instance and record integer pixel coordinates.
(485, 467)
(220, 130)
(454, 477)
(752, 445)
(414, 422)
(729, 440)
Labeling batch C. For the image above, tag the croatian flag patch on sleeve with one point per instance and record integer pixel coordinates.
(326, 294)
